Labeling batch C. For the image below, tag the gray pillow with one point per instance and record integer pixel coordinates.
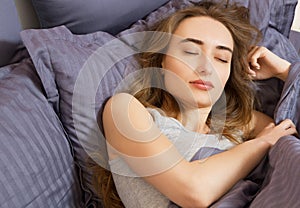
(77, 85)
(78, 78)
(36, 162)
(90, 16)
(9, 32)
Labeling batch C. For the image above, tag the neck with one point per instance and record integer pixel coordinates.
(195, 119)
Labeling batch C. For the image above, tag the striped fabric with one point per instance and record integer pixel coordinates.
(36, 162)
(289, 105)
(281, 185)
(60, 59)
(59, 56)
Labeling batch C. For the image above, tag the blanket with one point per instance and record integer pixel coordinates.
(274, 182)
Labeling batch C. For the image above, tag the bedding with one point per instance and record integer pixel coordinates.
(59, 57)
(86, 17)
(273, 183)
(62, 63)
(9, 32)
(32, 143)
(287, 106)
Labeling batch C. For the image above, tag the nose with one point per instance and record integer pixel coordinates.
(204, 66)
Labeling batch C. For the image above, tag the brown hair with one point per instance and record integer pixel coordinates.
(238, 91)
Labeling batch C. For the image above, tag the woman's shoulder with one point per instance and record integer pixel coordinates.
(121, 98)
(125, 114)
(122, 103)
(129, 128)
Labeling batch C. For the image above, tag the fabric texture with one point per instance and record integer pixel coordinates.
(288, 105)
(36, 162)
(9, 32)
(78, 73)
(83, 17)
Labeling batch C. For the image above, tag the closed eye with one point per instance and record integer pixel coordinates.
(191, 53)
(222, 60)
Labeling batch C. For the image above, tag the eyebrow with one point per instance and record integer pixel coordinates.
(200, 42)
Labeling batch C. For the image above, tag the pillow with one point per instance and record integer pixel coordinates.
(36, 163)
(90, 16)
(79, 72)
(9, 33)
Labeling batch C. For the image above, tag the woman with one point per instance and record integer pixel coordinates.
(153, 134)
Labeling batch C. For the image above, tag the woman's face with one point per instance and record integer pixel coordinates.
(198, 62)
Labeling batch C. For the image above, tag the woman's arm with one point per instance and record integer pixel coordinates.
(131, 134)
(264, 64)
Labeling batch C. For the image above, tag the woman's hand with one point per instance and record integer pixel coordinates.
(272, 133)
(264, 64)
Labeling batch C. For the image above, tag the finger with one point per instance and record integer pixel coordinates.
(291, 131)
(252, 51)
(258, 53)
(289, 128)
(251, 73)
(287, 124)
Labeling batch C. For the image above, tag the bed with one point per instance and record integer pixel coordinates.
(51, 101)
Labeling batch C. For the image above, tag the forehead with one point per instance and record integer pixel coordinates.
(205, 29)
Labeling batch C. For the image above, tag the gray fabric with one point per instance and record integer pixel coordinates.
(59, 57)
(62, 60)
(36, 162)
(268, 91)
(134, 191)
(243, 192)
(295, 39)
(83, 17)
(280, 187)
(10, 28)
(273, 183)
(289, 105)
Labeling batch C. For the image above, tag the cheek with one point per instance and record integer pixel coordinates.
(176, 86)
(173, 81)
(224, 75)
(177, 65)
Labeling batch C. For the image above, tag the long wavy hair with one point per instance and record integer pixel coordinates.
(238, 91)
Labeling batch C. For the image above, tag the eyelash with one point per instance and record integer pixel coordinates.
(191, 53)
(222, 60)
(195, 53)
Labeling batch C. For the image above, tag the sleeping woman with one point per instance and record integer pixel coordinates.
(193, 92)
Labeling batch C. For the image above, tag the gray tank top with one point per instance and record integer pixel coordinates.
(137, 193)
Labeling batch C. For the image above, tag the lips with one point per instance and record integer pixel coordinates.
(202, 85)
